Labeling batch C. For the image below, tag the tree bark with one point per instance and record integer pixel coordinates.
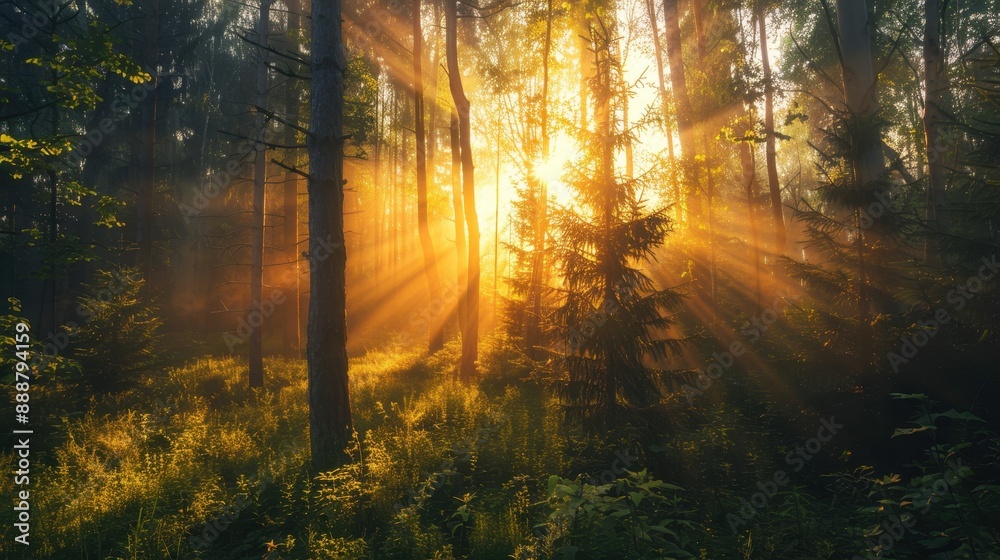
(602, 116)
(859, 89)
(583, 52)
(685, 114)
(664, 96)
(749, 169)
(470, 338)
(435, 326)
(862, 104)
(774, 187)
(330, 423)
(461, 254)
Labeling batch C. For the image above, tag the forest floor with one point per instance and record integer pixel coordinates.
(194, 464)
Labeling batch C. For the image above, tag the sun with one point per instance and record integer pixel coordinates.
(552, 170)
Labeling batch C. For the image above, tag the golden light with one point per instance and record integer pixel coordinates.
(552, 170)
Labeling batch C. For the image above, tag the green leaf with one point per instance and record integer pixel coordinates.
(911, 431)
(955, 415)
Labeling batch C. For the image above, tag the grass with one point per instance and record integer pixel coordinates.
(193, 464)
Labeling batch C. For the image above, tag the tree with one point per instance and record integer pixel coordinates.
(436, 326)
(330, 423)
(290, 229)
(611, 319)
(685, 124)
(860, 94)
(461, 253)
(470, 334)
(773, 185)
(867, 159)
(539, 275)
(259, 179)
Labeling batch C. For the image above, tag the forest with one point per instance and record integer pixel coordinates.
(494, 279)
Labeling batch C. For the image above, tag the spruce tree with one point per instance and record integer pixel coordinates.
(610, 326)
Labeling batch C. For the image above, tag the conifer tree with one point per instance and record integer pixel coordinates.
(610, 325)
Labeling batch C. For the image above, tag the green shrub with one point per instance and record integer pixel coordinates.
(635, 517)
(120, 334)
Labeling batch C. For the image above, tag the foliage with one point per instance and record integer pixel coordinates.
(943, 509)
(636, 517)
(611, 317)
(45, 362)
(119, 337)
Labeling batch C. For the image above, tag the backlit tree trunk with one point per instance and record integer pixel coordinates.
(470, 337)
(461, 256)
(533, 332)
(435, 325)
(685, 114)
(330, 423)
(774, 187)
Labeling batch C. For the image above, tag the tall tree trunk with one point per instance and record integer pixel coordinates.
(461, 255)
(705, 139)
(935, 89)
(533, 332)
(470, 338)
(435, 327)
(774, 187)
(699, 27)
(259, 179)
(685, 114)
(664, 96)
(146, 171)
(749, 168)
(394, 180)
(859, 89)
(583, 52)
(658, 53)
(290, 203)
(605, 258)
(629, 151)
(330, 423)
(862, 103)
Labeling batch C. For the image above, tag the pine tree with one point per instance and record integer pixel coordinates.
(611, 321)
